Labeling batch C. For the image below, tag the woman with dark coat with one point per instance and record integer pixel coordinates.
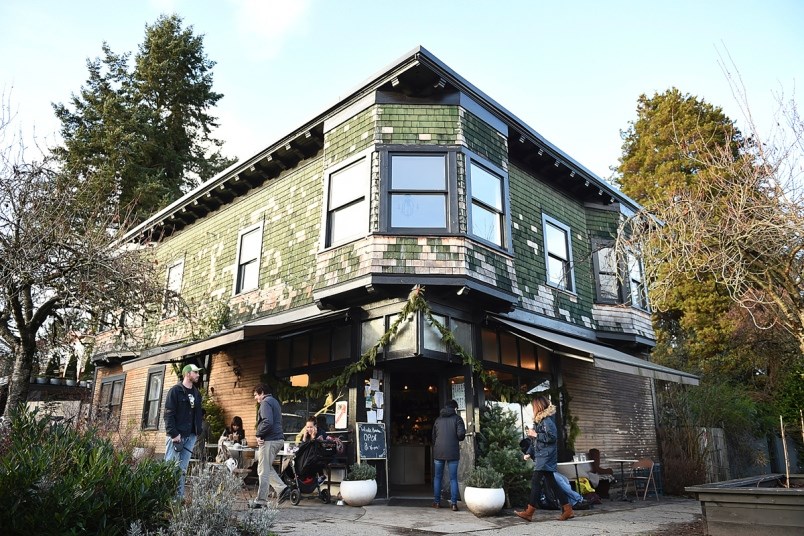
(448, 431)
(543, 451)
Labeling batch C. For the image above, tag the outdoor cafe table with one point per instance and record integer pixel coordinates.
(239, 454)
(577, 478)
(622, 463)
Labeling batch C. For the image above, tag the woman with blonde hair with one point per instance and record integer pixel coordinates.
(543, 451)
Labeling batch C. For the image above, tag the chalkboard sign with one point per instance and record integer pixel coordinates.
(370, 441)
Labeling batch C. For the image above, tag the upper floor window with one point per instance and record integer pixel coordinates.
(488, 215)
(153, 398)
(419, 191)
(175, 274)
(618, 280)
(347, 206)
(558, 254)
(636, 282)
(248, 259)
(607, 274)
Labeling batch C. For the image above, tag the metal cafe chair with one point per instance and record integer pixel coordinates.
(641, 474)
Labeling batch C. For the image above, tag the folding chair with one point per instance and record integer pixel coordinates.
(639, 478)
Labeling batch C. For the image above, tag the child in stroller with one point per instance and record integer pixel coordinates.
(305, 474)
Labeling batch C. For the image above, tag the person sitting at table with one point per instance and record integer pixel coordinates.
(312, 431)
(233, 433)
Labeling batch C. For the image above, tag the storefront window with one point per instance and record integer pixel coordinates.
(491, 351)
(509, 352)
(432, 336)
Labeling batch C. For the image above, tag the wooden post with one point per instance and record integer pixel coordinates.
(786, 461)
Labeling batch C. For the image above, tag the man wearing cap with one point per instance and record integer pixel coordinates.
(183, 417)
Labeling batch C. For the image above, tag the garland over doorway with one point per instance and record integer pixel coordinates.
(414, 304)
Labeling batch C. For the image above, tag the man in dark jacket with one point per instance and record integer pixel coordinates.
(183, 415)
(270, 440)
(448, 431)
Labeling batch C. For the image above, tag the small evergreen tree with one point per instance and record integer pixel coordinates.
(498, 445)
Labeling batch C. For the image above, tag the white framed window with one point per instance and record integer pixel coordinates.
(249, 249)
(558, 254)
(487, 217)
(347, 202)
(418, 191)
(153, 398)
(175, 275)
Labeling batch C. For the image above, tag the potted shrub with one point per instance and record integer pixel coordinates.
(484, 494)
(360, 485)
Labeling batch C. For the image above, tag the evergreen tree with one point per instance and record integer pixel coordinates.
(142, 136)
(699, 325)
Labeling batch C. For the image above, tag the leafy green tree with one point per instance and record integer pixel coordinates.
(143, 136)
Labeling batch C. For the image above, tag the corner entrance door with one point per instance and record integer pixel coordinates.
(414, 408)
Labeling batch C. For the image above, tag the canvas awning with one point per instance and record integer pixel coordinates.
(602, 356)
(253, 330)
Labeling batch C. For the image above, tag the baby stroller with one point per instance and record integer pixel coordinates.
(305, 474)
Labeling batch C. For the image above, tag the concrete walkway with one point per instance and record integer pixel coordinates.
(312, 517)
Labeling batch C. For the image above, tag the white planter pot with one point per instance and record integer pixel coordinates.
(484, 501)
(358, 492)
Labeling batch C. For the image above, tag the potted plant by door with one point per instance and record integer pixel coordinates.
(484, 494)
(360, 485)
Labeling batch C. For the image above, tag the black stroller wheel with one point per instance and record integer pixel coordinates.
(324, 496)
(295, 497)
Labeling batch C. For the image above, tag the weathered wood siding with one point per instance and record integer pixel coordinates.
(614, 410)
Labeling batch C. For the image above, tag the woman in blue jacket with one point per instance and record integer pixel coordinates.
(543, 451)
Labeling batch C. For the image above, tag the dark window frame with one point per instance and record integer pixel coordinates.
(148, 402)
(107, 412)
(450, 190)
(568, 264)
(239, 284)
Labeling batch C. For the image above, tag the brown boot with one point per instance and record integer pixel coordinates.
(527, 515)
(567, 513)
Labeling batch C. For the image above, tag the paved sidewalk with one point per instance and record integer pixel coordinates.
(313, 517)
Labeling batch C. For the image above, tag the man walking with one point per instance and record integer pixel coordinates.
(269, 441)
(448, 431)
(183, 416)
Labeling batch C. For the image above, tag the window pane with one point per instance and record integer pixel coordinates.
(490, 350)
(155, 386)
(420, 210)
(527, 355)
(555, 272)
(117, 392)
(347, 222)
(283, 354)
(250, 246)
(342, 343)
(606, 261)
(432, 337)
(320, 353)
(301, 351)
(153, 414)
(405, 339)
(463, 334)
(556, 241)
(608, 287)
(248, 276)
(418, 172)
(486, 187)
(174, 277)
(371, 331)
(486, 224)
(347, 184)
(509, 351)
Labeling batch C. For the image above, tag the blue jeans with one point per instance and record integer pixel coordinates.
(453, 480)
(183, 457)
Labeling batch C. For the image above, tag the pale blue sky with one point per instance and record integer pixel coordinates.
(572, 72)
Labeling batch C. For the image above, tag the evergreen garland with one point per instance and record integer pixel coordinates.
(415, 303)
